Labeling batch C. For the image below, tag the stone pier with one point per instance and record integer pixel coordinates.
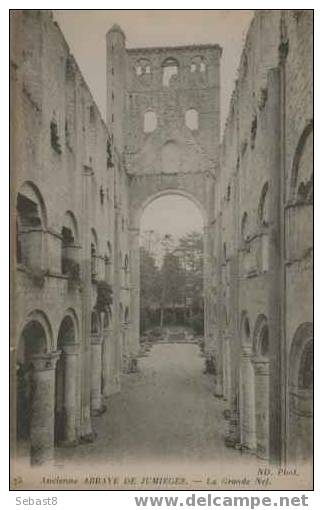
(43, 408)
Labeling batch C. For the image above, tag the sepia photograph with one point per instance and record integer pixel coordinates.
(161, 249)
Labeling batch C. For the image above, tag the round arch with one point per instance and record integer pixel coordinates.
(300, 395)
(302, 336)
(245, 329)
(69, 221)
(38, 316)
(94, 239)
(308, 129)
(166, 192)
(31, 191)
(69, 327)
(33, 341)
(260, 336)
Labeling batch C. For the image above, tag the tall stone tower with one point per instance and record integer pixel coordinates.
(163, 110)
(116, 84)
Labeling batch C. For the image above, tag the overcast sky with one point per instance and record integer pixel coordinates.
(172, 214)
(85, 33)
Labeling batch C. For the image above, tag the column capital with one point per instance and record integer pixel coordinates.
(45, 361)
(261, 366)
(71, 349)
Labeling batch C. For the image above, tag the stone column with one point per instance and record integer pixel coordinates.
(134, 290)
(43, 407)
(247, 400)
(124, 349)
(226, 369)
(261, 367)
(71, 358)
(209, 341)
(85, 347)
(105, 363)
(276, 269)
(234, 429)
(13, 402)
(96, 367)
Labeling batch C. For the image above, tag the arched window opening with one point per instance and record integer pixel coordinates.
(94, 255)
(67, 241)
(264, 342)
(69, 255)
(305, 191)
(54, 136)
(263, 210)
(95, 324)
(101, 195)
(300, 419)
(170, 72)
(93, 261)
(109, 250)
(302, 169)
(150, 121)
(246, 327)
(30, 222)
(192, 119)
(143, 67)
(305, 374)
(198, 64)
(244, 228)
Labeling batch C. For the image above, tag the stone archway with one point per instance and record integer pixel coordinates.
(247, 388)
(261, 378)
(32, 342)
(66, 383)
(157, 189)
(300, 396)
(36, 389)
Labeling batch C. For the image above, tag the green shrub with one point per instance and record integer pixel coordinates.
(196, 322)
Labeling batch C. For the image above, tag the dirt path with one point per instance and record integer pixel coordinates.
(165, 413)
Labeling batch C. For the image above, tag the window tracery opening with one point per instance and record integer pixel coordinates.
(192, 119)
(170, 71)
(150, 121)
